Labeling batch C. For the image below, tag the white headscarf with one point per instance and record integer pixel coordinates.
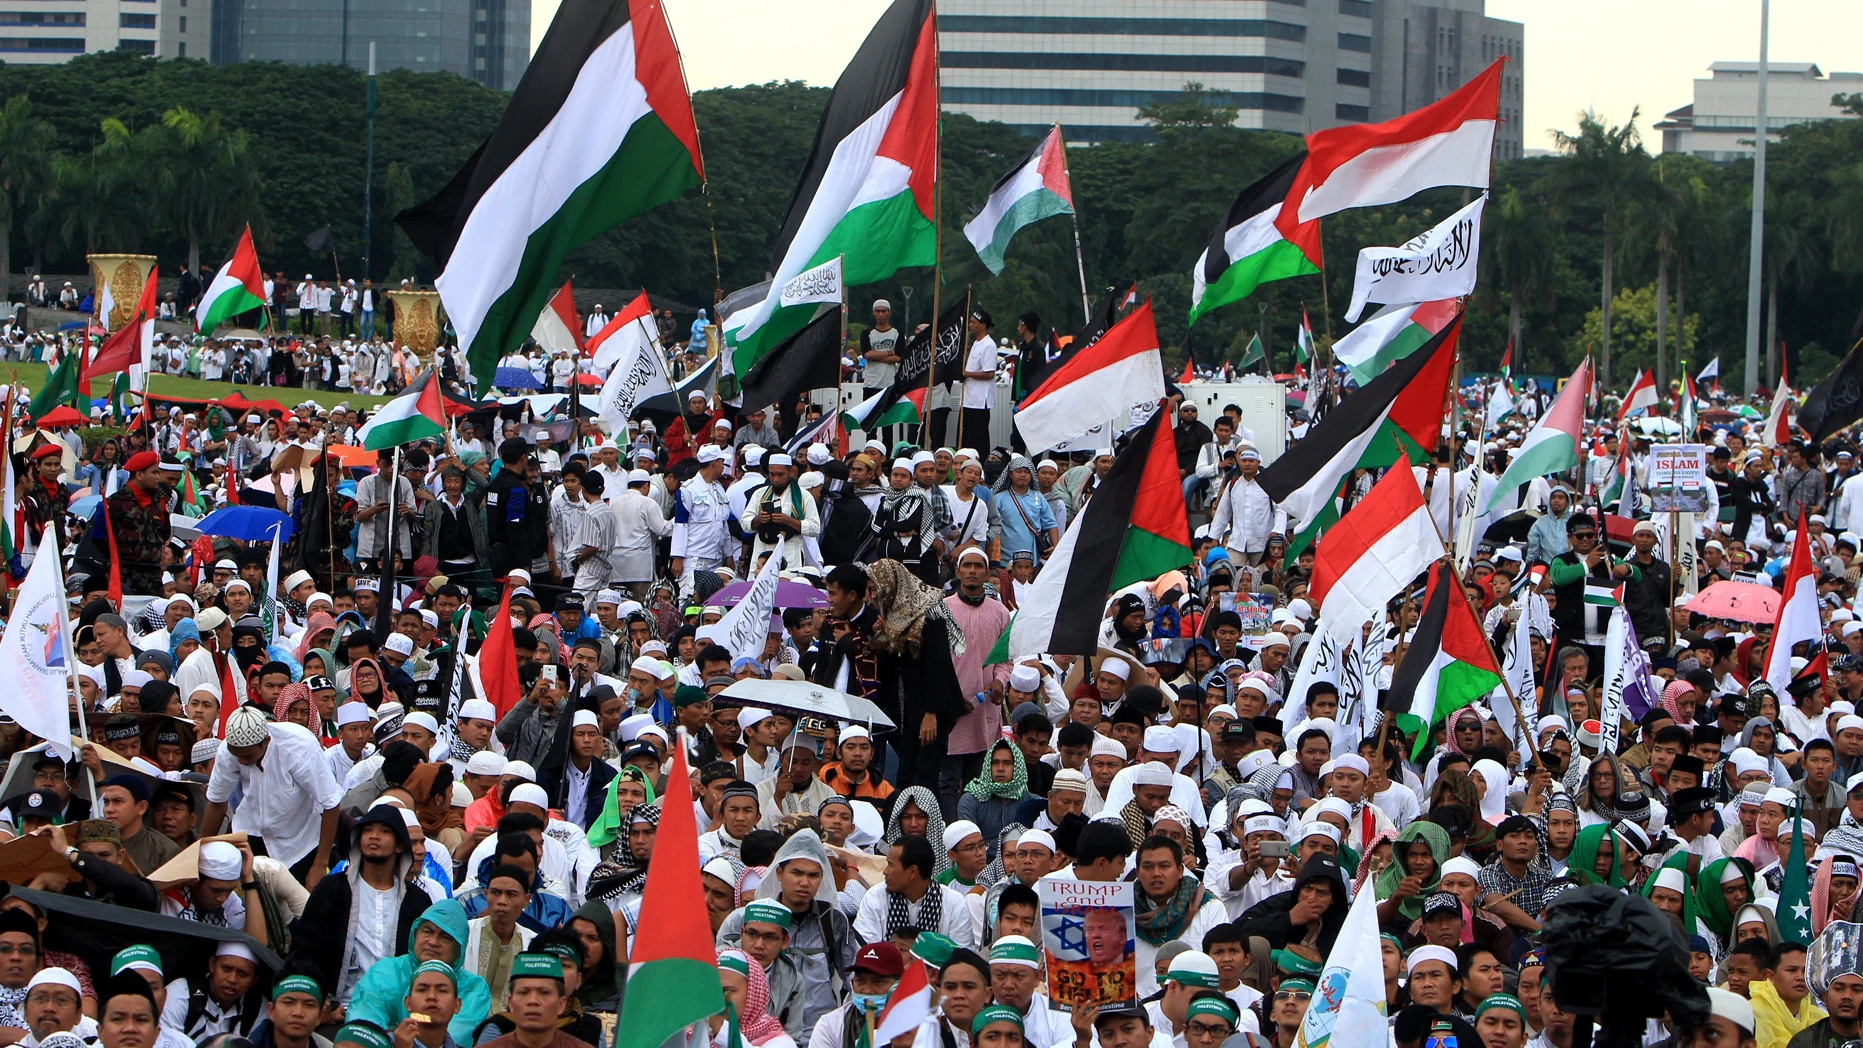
(1494, 798)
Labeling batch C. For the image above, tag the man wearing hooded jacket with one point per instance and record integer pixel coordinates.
(339, 927)
(438, 934)
(821, 939)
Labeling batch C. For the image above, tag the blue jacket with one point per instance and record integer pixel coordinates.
(379, 995)
(545, 911)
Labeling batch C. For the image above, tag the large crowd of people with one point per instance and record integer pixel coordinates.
(443, 760)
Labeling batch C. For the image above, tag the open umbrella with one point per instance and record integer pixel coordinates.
(62, 415)
(515, 378)
(806, 697)
(586, 379)
(250, 523)
(788, 595)
(1738, 601)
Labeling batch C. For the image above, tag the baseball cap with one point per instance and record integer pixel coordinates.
(878, 958)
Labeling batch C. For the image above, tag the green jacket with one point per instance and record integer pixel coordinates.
(380, 994)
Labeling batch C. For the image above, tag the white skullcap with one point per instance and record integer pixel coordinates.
(1352, 761)
(477, 709)
(1745, 761)
(520, 770)
(1160, 739)
(1068, 780)
(296, 579)
(957, 832)
(485, 762)
(1732, 1007)
(1263, 824)
(135, 678)
(1041, 837)
(1117, 667)
(61, 977)
(1849, 720)
(632, 727)
(246, 726)
(1151, 773)
(1464, 865)
(462, 797)
(1781, 796)
(1429, 953)
(318, 597)
(1024, 678)
(1673, 879)
(235, 949)
(750, 716)
(1319, 829)
(855, 731)
(419, 719)
(409, 817)
(585, 718)
(1103, 746)
(220, 861)
(530, 793)
(399, 643)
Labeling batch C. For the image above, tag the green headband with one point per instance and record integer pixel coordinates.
(363, 1034)
(1296, 984)
(996, 1013)
(136, 956)
(1220, 1007)
(437, 966)
(562, 951)
(1023, 953)
(934, 948)
(768, 911)
(536, 966)
(1502, 1000)
(734, 963)
(298, 984)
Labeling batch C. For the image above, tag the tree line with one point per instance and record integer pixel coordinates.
(1602, 248)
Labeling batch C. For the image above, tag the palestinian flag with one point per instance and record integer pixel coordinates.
(558, 329)
(1035, 190)
(1303, 343)
(672, 979)
(419, 412)
(1449, 664)
(193, 500)
(1133, 528)
(1396, 416)
(1125, 367)
(1390, 335)
(866, 192)
(1253, 353)
(599, 130)
(238, 288)
(1250, 248)
(1552, 445)
(891, 406)
(1446, 143)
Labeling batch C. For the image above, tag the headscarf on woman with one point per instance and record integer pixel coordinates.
(1583, 865)
(926, 802)
(905, 605)
(1387, 880)
(983, 788)
(328, 658)
(421, 784)
(184, 630)
(289, 696)
(1581, 789)
(1774, 766)
(1711, 900)
(1494, 798)
(383, 692)
(1823, 909)
(754, 1022)
(319, 624)
(1455, 787)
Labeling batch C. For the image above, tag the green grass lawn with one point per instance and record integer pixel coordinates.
(167, 385)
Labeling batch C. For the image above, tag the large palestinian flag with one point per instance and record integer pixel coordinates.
(1133, 528)
(238, 288)
(1448, 664)
(1035, 190)
(1398, 415)
(1391, 334)
(1552, 446)
(417, 413)
(599, 130)
(866, 192)
(1249, 249)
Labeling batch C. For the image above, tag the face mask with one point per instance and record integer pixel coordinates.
(871, 1002)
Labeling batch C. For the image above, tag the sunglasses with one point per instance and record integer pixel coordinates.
(1292, 995)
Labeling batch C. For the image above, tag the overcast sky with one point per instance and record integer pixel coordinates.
(1611, 55)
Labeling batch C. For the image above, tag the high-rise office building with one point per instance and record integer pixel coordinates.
(1285, 65)
(1719, 125)
(486, 40)
(45, 32)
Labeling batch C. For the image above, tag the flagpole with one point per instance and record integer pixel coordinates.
(49, 537)
(931, 365)
(384, 616)
(1080, 259)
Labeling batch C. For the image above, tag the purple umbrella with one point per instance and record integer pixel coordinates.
(788, 595)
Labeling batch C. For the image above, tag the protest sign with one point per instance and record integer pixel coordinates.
(1087, 933)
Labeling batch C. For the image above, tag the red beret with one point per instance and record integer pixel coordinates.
(142, 460)
(44, 450)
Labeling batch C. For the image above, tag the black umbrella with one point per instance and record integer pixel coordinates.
(97, 931)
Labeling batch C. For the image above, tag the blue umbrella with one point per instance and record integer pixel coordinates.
(85, 506)
(515, 378)
(250, 523)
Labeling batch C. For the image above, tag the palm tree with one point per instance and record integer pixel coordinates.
(25, 165)
(1607, 170)
(1520, 247)
(99, 198)
(1658, 221)
(204, 180)
(1791, 253)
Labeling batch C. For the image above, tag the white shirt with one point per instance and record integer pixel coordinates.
(577, 800)
(980, 392)
(373, 915)
(953, 919)
(283, 796)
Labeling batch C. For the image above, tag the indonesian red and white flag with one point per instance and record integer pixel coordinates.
(1778, 428)
(1374, 553)
(133, 344)
(1446, 143)
(907, 1007)
(558, 329)
(1798, 618)
(1642, 395)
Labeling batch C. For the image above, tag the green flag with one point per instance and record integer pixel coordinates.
(1253, 352)
(1794, 908)
(61, 386)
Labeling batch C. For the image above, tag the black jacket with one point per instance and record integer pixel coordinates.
(322, 931)
(601, 773)
(1749, 497)
(517, 522)
(1269, 917)
(913, 685)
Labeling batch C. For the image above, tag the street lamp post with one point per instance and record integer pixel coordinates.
(1755, 246)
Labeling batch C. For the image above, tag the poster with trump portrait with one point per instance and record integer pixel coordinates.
(1087, 936)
